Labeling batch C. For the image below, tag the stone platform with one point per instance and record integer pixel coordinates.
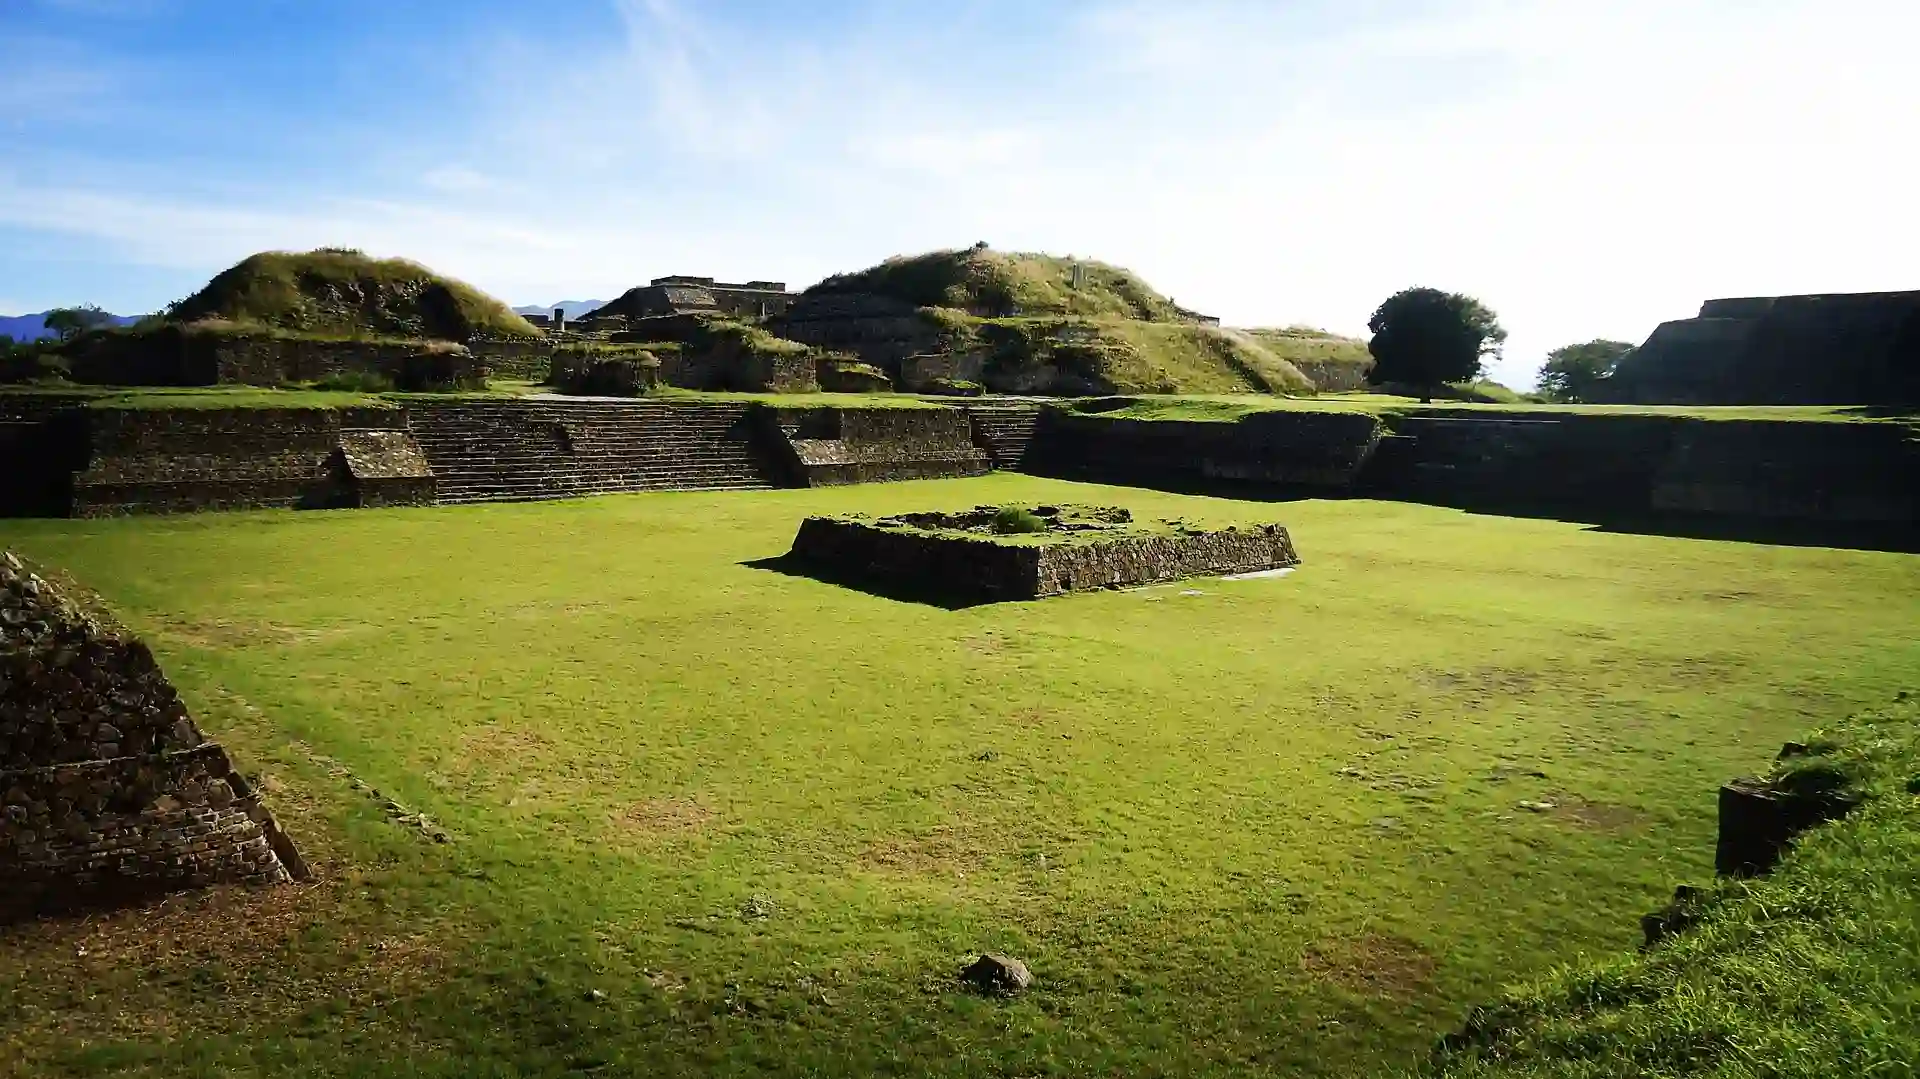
(988, 555)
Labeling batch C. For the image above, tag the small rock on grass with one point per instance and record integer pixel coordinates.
(1538, 807)
(997, 975)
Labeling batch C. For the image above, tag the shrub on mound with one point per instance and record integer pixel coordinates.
(347, 293)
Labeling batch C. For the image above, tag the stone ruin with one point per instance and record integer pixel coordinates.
(993, 553)
(109, 793)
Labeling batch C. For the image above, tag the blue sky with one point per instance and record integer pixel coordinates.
(1587, 169)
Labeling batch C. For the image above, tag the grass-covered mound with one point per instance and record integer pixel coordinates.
(993, 284)
(1114, 355)
(1812, 971)
(339, 292)
(1033, 329)
(1332, 361)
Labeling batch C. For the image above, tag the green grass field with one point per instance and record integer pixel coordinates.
(1261, 826)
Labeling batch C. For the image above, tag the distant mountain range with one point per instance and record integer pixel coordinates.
(34, 327)
(573, 308)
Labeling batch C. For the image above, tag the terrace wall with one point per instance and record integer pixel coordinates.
(1280, 448)
(185, 459)
(1856, 348)
(172, 356)
(820, 447)
(1787, 470)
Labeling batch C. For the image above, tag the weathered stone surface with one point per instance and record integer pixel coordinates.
(830, 446)
(109, 793)
(903, 553)
(1857, 348)
(1678, 916)
(1758, 821)
(183, 460)
(997, 975)
(1283, 448)
(176, 357)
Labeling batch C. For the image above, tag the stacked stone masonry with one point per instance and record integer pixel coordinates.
(108, 791)
(175, 356)
(1818, 472)
(181, 460)
(505, 451)
(1004, 433)
(982, 570)
(1855, 348)
(1279, 448)
(830, 446)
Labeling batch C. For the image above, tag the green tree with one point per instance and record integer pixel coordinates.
(1426, 338)
(1573, 372)
(68, 323)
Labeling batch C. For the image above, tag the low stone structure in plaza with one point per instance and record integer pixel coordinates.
(995, 553)
(109, 793)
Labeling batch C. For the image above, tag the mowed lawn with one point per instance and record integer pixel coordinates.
(710, 818)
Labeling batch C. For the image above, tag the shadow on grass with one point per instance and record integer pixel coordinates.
(788, 566)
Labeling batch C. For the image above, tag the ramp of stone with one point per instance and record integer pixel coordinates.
(1005, 432)
(547, 448)
(109, 793)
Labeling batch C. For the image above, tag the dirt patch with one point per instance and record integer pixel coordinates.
(1597, 816)
(495, 742)
(664, 817)
(1374, 964)
(946, 851)
(174, 968)
(222, 634)
(1478, 687)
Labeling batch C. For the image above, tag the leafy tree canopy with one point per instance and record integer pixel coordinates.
(1573, 372)
(70, 322)
(1427, 338)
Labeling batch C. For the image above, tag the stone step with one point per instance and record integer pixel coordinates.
(507, 451)
(469, 496)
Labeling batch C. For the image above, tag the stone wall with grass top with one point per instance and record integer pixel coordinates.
(1279, 448)
(829, 446)
(1842, 473)
(221, 354)
(109, 793)
(994, 554)
(170, 460)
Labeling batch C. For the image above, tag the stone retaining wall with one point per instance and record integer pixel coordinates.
(830, 446)
(527, 359)
(108, 791)
(177, 356)
(730, 366)
(1783, 470)
(1279, 448)
(983, 571)
(182, 460)
(108, 833)
(1859, 348)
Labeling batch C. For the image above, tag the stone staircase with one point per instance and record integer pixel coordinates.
(527, 450)
(1004, 432)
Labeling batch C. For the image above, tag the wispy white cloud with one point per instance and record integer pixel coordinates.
(1586, 169)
